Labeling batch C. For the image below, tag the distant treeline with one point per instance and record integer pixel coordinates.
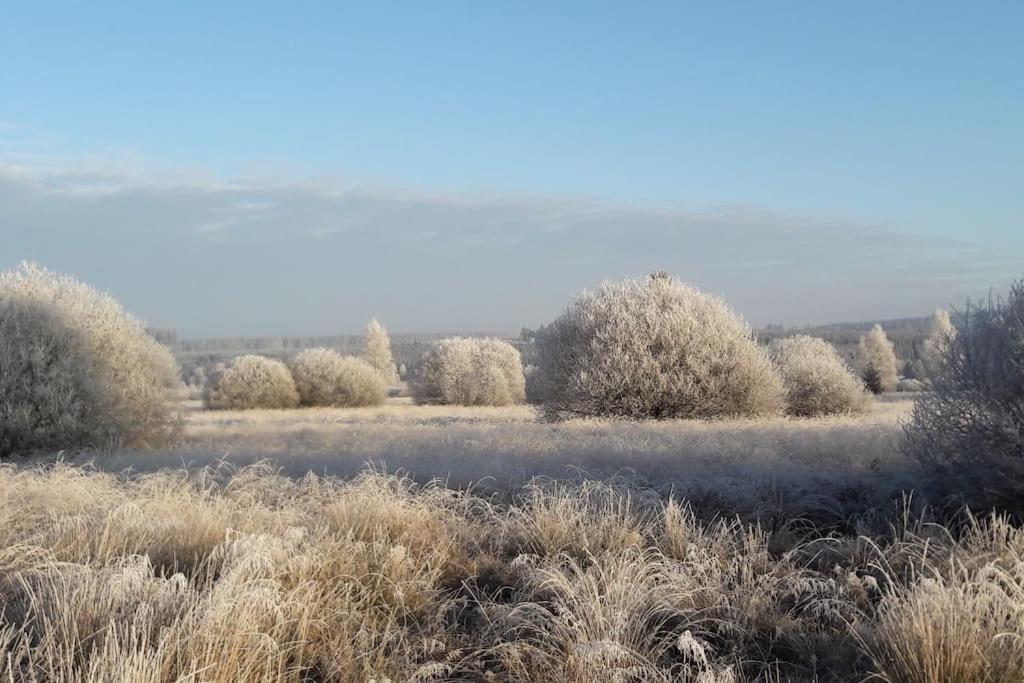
(907, 335)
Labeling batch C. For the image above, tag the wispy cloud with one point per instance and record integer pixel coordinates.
(280, 256)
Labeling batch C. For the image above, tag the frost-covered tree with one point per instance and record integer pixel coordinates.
(653, 348)
(77, 371)
(970, 427)
(940, 333)
(873, 379)
(462, 371)
(875, 350)
(817, 380)
(198, 377)
(377, 352)
(324, 377)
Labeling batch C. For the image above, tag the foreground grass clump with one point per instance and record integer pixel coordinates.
(654, 348)
(961, 622)
(816, 379)
(224, 575)
(471, 372)
(77, 371)
(252, 382)
(324, 377)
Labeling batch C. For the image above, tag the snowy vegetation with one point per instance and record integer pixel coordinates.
(816, 379)
(324, 377)
(740, 545)
(654, 348)
(252, 382)
(471, 372)
(77, 371)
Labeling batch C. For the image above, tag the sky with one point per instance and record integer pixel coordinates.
(271, 168)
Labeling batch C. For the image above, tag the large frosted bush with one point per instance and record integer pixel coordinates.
(251, 382)
(653, 348)
(77, 371)
(326, 378)
(876, 352)
(377, 352)
(816, 379)
(969, 429)
(462, 371)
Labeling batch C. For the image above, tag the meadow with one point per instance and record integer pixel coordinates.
(424, 543)
(828, 467)
(662, 497)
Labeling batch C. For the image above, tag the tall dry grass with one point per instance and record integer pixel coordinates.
(230, 575)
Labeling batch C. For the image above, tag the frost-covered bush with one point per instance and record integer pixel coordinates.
(326, 378)
(77, 371)
(816, 379)
(251, 382)
(471, 372)
(876, 351)
(969, 429)
(377, 352)
(654, 348)
(910, 385)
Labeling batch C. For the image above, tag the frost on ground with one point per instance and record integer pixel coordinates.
(825, 467)
(264, 572)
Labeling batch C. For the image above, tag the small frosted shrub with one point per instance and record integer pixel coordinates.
(876, 351)
(910, 385)
(324, 377)
(969, 429)
(251, 382)
(653, 348)
(77, 371)
(816, 379)
(377, 352)
(472, 372)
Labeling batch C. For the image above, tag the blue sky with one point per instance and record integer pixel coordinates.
(762, 150)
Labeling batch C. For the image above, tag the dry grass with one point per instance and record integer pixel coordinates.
(590, 550)
(824, 468)
(225, 575)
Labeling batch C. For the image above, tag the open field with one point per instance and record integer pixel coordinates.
(511, 343)
(832, 466)
(282, 546)
(683, 531)
(677, 551)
